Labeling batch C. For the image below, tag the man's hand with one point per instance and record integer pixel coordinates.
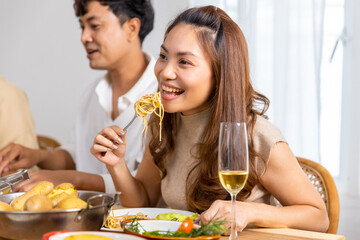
(56, 177)
(81, 180)
(15, 156)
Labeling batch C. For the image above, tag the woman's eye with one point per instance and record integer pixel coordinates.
(184, 62)
(162, 56)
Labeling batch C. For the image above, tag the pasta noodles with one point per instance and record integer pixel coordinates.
(113, 222)
(147, 105)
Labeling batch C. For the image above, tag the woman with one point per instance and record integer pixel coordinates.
(203, 76)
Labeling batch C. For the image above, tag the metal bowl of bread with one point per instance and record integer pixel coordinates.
(42, 209)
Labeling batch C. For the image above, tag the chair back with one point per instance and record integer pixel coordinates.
(47, 143)
(325, 185)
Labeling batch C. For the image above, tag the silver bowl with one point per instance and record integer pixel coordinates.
(32, 225)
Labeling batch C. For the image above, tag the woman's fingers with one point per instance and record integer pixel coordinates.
(211, 213)
(221, 210)
(99, 151)
(111, 134)
(109, 145)
(105, 142)
(114, 133)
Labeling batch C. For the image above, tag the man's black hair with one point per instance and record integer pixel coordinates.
(125, 10)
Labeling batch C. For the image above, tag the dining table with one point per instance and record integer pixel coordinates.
(282, 234)
(270, 233)
(278, 234)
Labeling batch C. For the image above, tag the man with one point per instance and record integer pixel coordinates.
(112, 34)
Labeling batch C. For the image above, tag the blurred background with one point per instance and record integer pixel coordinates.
(304, 56)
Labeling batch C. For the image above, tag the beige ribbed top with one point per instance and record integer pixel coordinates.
(16, 121)
(181, 161)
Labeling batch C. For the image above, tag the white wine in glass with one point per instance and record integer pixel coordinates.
(233, 159)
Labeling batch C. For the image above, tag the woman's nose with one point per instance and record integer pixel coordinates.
(168, 72)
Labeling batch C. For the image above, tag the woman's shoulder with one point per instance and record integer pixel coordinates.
(264, 137)
(266, 131)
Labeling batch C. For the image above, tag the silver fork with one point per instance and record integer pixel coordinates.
(132, 120)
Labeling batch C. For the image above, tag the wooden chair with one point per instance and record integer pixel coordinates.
(325, 185)
(47, 143)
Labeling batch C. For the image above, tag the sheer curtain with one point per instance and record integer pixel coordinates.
(285, 42)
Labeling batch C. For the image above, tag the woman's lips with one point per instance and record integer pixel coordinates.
(169, 93)
(171, 89)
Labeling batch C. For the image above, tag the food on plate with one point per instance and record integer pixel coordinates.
(148, 104)
(61, 192)
(212, 228)
(5, 207)
(38, 203)
(175, 216)
(42, 188)
(113, 222)
(71, 203)
(87, 237)
(186, 226)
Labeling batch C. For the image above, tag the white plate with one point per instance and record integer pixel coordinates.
(158, 225)
(150, 212)
(115, 236)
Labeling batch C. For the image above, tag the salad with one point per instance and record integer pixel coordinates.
(186, 229)
(175, 217)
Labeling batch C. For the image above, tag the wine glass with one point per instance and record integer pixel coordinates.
(233, 160)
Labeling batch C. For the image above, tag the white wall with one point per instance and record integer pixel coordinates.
(40, 51)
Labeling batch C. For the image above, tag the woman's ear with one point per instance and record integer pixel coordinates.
(132, 28)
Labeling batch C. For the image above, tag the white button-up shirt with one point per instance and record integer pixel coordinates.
(95, 114)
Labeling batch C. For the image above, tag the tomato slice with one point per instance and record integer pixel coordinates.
(186, 226)
(47, 236)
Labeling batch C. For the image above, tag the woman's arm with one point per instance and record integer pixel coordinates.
(285, 180)
(143, 190)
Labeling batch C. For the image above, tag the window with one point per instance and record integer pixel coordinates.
(331, 85)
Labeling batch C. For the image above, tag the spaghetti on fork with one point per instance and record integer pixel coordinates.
(148, 105)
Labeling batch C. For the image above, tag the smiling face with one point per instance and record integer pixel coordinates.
(184, 72)
(104, 39)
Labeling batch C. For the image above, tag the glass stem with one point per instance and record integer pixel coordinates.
(233, 234)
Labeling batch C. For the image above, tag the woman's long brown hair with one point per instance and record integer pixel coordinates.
(233, 100)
